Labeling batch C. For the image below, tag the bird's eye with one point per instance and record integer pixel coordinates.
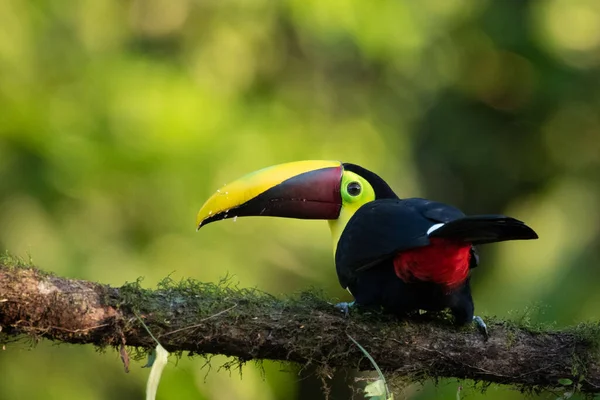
(353, 188)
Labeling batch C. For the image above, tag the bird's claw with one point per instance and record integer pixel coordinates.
(481, 326)
(344, 307)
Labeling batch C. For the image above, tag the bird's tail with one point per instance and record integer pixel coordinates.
(480, 229)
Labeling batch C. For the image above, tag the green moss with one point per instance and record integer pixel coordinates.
(174, 308)
(178, 305)
(510, 338)
(529, 319)
(11, 261)
(588, 333)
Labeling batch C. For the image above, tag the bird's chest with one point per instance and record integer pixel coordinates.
(443, 262)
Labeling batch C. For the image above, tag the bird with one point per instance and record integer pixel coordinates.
(403, 255)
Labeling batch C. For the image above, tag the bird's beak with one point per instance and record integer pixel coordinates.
(301, 189)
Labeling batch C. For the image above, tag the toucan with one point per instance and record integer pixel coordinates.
(400, 254)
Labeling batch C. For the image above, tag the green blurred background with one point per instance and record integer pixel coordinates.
(119, 118)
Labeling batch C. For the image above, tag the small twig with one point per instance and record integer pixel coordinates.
(123, 353)
(146, 328)
(196, 325)
(57, 328)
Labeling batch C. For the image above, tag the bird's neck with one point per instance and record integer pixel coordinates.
(337, 226)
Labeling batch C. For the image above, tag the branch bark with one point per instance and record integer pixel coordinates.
(219, 319)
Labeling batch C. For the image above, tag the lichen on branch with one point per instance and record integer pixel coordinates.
(206, 318)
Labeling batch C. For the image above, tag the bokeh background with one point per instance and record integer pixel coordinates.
(119, 118)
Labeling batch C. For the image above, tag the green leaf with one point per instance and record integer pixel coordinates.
(151, 359)
(565, 381)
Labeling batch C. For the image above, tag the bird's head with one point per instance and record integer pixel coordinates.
(326, 190)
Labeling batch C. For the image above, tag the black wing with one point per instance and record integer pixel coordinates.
(440, 212)
(378, 230)
(382, 228)
(433, 210)
(481, 229)
(476, 229)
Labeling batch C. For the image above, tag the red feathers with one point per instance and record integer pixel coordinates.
(444, 262)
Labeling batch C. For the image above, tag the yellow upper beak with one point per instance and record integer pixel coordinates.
(301, 189)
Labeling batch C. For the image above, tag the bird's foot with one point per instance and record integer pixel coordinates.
(345, 307)
(481, 326)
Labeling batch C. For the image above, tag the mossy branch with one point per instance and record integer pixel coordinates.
(219, 319)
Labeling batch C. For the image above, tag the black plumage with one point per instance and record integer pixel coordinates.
(382, 229)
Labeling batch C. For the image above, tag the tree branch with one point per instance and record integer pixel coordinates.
(220, 319)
